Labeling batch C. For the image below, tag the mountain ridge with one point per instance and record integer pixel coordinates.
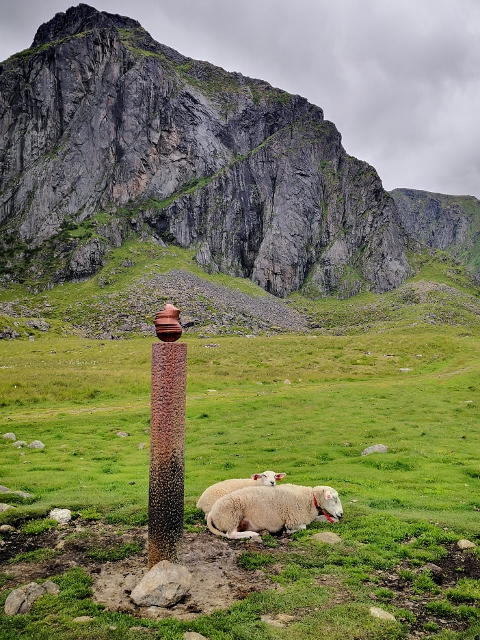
(110, 135)
(441, 221)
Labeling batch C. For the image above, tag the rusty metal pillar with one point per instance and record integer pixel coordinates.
(167, 440)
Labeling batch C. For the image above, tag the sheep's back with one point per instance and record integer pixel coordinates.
(220, 489)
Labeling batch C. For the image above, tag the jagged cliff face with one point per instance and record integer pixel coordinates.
(104, 129)
(450, 223)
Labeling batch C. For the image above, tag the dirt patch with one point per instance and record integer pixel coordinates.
(445, 573)
(217, 580)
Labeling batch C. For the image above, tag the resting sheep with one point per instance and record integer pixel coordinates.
(220, 489)
(244, 512)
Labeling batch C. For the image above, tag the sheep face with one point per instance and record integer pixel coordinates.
(328, 500)
(267, 478)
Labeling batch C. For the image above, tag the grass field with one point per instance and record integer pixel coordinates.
(300, 404)
(306, 405)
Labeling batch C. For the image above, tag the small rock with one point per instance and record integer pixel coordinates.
(19, 444)
(9, 436)
(377, 612)
(287, 381)
(5, 528)
(20, 600)
(435, 570)
(36, 444)
(51, 588)
(23, 494)
(62, 516)
(327, 536)
(375, 448)
(142, 445)
(163, 586)
(4, 489)
(465, 544)
(4, 507)
(404, 369)
(193, 635)
(81, 619)
(122, 434)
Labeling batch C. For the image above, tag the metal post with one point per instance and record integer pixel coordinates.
(167, 440)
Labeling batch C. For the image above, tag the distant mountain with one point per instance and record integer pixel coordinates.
(106, 134)
(451, 223)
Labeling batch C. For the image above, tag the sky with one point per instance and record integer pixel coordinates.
(399, 78)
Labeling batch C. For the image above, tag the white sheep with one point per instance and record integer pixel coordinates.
(220, 489)
(244, 512)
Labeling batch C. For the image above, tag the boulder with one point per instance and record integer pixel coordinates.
(36, 444)
(4, 507)
(82, 619)
(377, 612)
(21, 600)
(327, 537)
(375, 448)
(23, 494)
(62, 516)
(465, 544)
(163, 586)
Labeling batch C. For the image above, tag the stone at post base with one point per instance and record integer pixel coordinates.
(163, 586)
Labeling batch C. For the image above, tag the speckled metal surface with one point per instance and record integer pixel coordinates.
(167, 451)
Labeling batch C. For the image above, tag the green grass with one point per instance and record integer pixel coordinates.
(38, 555)
(119, 552)
(389, 377)
(75, 395)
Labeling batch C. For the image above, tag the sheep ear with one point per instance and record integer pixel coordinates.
(328, 495)
(279, 476)
(255, 476)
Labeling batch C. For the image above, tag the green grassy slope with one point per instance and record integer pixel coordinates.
(416, 392)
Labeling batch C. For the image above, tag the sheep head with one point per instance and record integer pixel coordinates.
(328, 501)
(268, 478)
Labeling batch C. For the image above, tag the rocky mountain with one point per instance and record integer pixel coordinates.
(105, 134)
(450, 223)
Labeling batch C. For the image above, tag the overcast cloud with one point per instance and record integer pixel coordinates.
(400, 79)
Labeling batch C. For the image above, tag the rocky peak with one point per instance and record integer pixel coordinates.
(78, 20)
(106, 133)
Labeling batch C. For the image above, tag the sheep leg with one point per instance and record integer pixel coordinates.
(236, 535)
(293, 528)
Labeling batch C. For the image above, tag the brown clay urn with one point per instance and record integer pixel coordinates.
(167, 325)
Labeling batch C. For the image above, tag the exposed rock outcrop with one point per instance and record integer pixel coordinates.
(450, 223)
(105, 133)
